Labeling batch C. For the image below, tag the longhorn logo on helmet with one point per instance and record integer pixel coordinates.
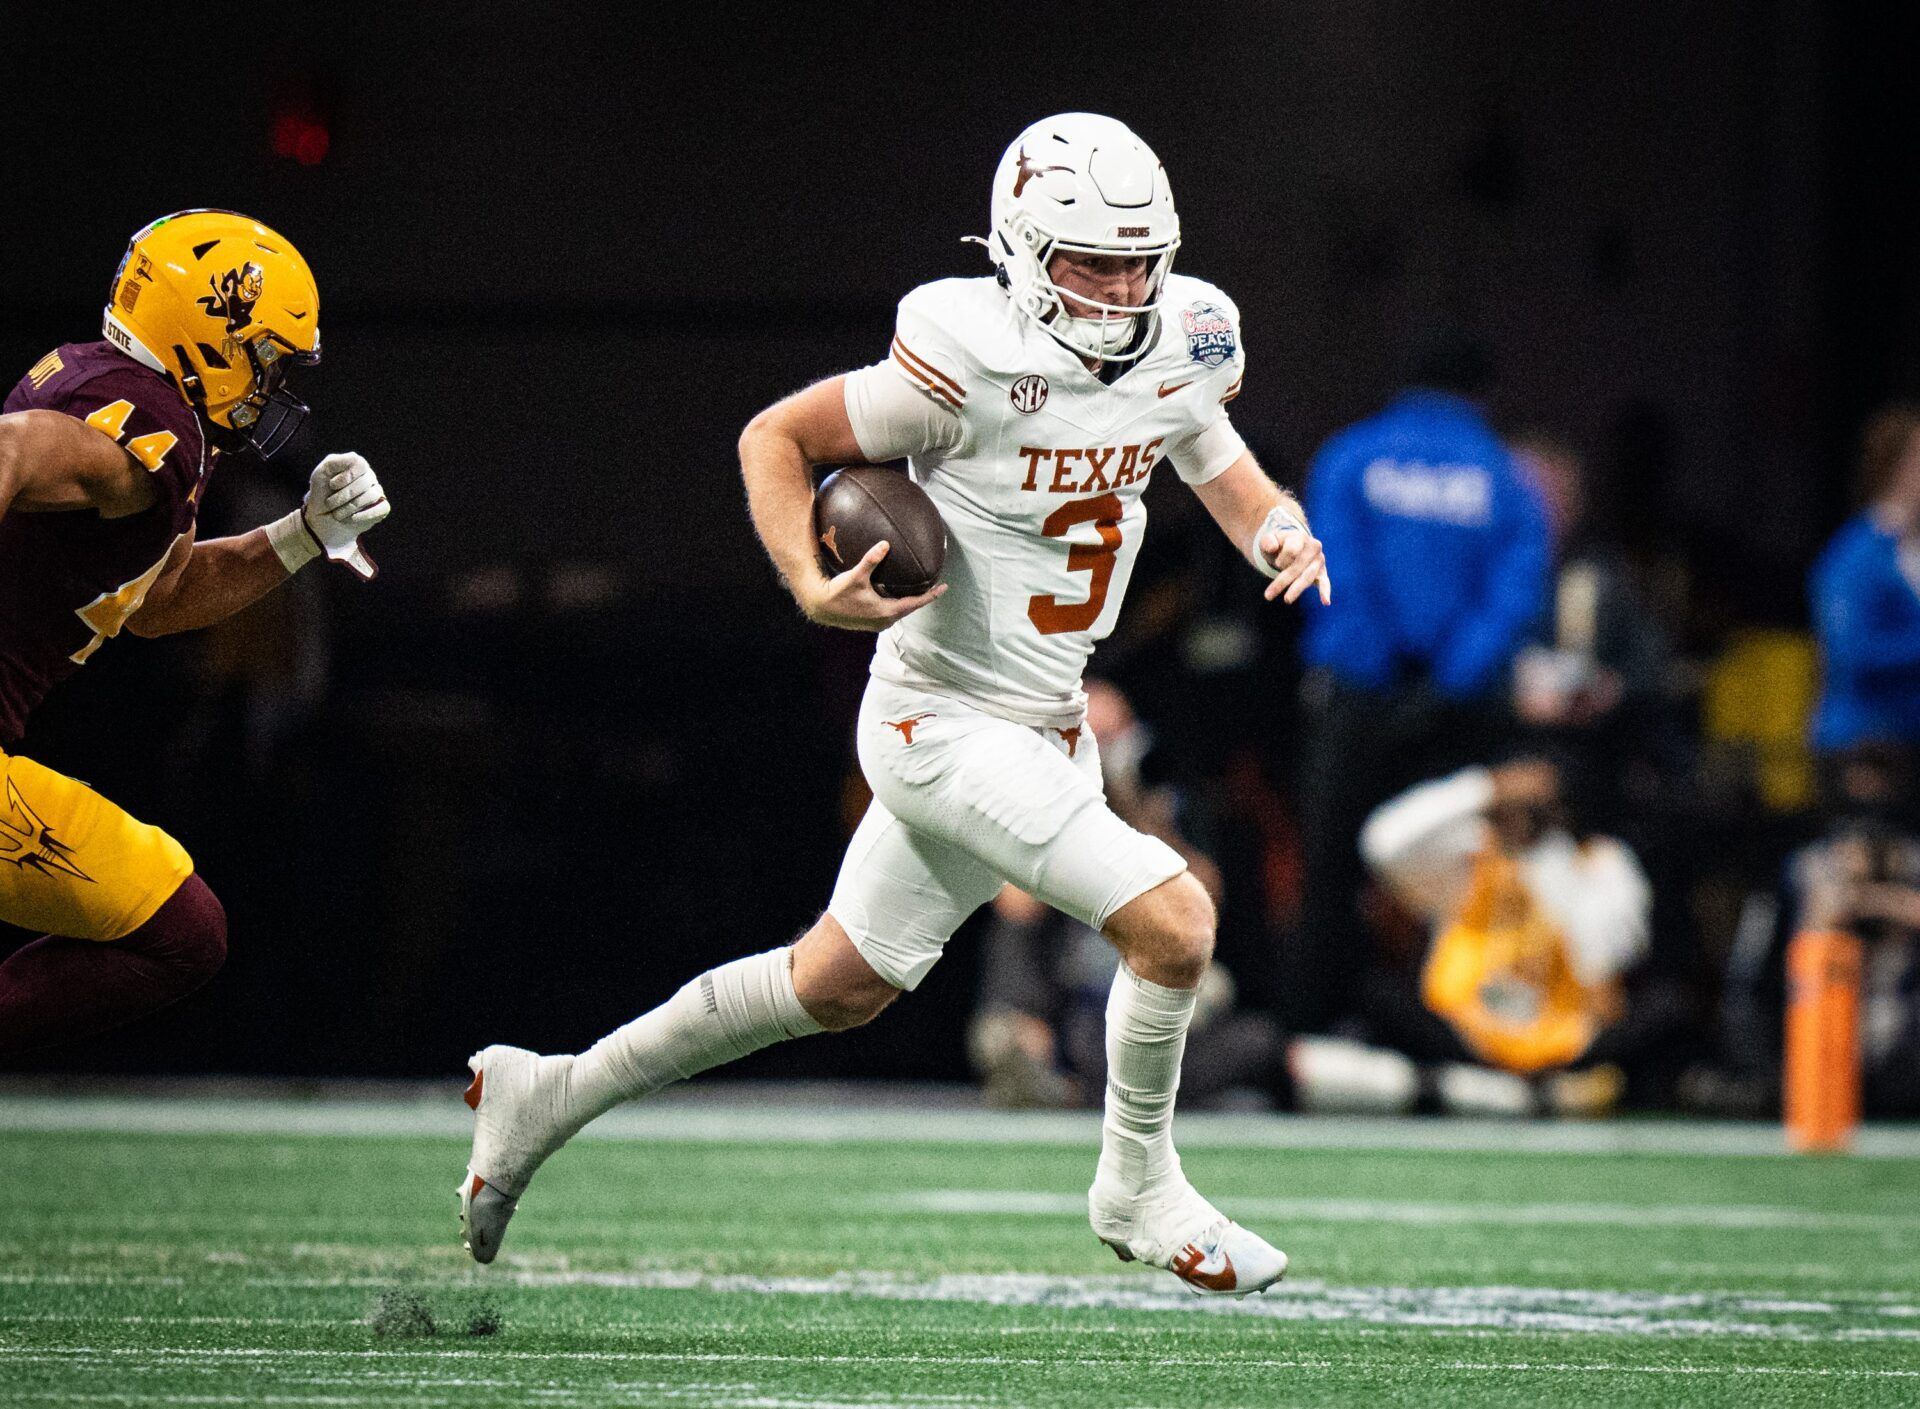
(1027, 171)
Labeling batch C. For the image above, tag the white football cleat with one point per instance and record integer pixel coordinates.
(1215, 1258)
(518, 1100)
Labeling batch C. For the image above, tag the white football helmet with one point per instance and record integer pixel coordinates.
(1084, 183)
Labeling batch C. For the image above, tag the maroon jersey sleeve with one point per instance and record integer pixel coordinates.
(69, 581)
(137, 407)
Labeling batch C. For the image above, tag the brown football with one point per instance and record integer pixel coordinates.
(856, 507)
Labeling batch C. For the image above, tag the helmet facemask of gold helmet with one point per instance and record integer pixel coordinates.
(222, 306)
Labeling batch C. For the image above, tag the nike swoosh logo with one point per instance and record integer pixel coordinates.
(1187, 1268)
(1170, 390)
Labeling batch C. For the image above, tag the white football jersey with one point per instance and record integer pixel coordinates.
(1037, 466)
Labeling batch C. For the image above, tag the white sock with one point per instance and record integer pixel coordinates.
(719, 1017)
(1146, 1036)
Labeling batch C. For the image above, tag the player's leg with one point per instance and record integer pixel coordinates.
(1165, 938)
(818, 984)
(129, 928)
(896, 903)
(1141, 1203)
(526, 1106)
(59, 989)
(1028, 804)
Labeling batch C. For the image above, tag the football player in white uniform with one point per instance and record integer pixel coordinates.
(1032, 406)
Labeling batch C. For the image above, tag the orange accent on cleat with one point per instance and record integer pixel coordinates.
(473, 1189)
(472, 1094)
(1187, 1268)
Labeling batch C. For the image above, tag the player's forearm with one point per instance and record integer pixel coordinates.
(1250, 514)
(223, 576)
(780, 501)
(16, 461)
(1239, 501)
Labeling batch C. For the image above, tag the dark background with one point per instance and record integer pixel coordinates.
(575, 745)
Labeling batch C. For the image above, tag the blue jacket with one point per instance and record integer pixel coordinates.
(1866, 613)
(1437, 548)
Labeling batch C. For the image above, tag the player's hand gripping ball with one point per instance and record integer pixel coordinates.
(856, 507)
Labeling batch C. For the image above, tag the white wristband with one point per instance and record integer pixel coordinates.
(1279, 519)
(293, 542)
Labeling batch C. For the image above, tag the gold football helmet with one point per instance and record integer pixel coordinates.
(221, 305)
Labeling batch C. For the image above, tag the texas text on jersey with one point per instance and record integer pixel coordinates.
(1038, 467)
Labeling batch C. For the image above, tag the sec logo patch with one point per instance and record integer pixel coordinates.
(1029, 394)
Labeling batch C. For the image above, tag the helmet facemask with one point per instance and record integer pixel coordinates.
(270, 415)
(1111, 332)
(1083, 184)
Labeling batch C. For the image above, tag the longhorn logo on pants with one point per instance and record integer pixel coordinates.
(905, 726)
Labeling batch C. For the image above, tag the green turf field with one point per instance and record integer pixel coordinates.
(242, 1252)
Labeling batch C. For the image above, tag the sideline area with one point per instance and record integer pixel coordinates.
(826, 1113)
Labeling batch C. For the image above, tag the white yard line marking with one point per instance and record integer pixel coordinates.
(1497, 1308)
(690, 1119)
(1853, 1315)
(1751, 1216)
(53, 1397)
(1437, 1310)
(169, 1358)
(409, 1391)
(31, 1317)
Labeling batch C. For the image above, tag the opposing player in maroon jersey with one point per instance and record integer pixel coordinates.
(105, 452)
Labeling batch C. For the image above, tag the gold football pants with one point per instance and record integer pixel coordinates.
(72, 863)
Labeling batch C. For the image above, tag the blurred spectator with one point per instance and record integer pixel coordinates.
(1439, 553)
(1038, 1036)
(1597, 662)
(1866, 595)
(1518, 1001)
(1861, 876)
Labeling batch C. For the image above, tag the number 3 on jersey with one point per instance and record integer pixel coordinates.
(1048, 613)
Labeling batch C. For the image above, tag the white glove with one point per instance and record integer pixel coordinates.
(344, 500)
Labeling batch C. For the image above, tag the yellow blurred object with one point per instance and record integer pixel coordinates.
(1587, 1094)
(1758, 699)
(1499, 973)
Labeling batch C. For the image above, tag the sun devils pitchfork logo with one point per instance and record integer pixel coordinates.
(26, 841)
